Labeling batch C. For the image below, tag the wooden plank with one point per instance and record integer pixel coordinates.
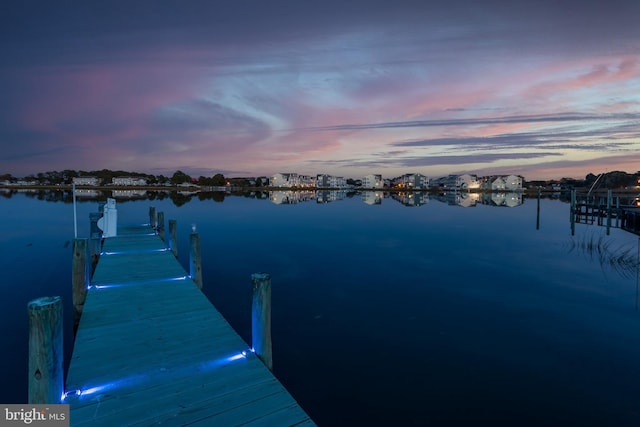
(153, 350)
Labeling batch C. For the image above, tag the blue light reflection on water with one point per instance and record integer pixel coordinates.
(496, 322)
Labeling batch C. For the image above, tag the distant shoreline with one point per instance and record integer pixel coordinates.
(527, 191)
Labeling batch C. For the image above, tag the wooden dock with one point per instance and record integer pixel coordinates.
(151, 349)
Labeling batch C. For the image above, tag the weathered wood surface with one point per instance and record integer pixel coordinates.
(46, 372)
(261, 318)
(151, 349)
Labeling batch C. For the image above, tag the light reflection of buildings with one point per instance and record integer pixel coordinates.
(290, 197)
(372, 197)
(326, 196)
(129, 194)
(509, 200)
(412, 199)
(83, 192)
(466, 200)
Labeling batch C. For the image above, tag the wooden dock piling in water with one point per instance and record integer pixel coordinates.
(46, 371)
(261, 318)
(173, 242)
(79, 277)
(195, 259)
(602, 212)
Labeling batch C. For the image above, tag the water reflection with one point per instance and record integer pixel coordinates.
(180, 198)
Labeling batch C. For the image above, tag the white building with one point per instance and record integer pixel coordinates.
(306, 181)
(86, 180)
(372, 181)
(128, 181)
(503, 183)
(284, 180)
(412, 181)
(461, 182)
(513, 182)
(330, 181)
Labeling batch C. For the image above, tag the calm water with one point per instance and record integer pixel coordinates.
(385, 314)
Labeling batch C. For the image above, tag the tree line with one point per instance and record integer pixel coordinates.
(105, 176)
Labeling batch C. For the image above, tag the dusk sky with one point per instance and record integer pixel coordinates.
(545, 89)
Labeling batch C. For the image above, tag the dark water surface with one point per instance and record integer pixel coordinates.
(387, 314)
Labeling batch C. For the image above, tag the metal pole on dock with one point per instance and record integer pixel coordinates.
(261, 318)
(46, 374)
(79, 277)
(195, 258)
(173, 243)
(161, 225)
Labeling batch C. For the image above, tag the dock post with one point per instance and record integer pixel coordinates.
(46, 374)
(261, 318)
(573, 212)
(195, 258)
(173, 244)
(609, 202)
(96, 239)
(161, 225)
(538, 211)
(80, 275)
(153, 220)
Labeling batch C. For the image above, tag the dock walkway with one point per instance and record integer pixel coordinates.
(151, 349)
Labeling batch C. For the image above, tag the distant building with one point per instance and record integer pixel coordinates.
(513, 182)
(86, 180)
(411, 181)
(306, 181)
(128, 181)
(330, 181)
(461, 182)
(372, 182)
(503, 183)
(283, 180)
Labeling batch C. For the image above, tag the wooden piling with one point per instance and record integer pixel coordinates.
(153, 220)
(538, 211)
(173, 243)
(609, 202)
(573, 212)
(79, 277)
(261, 318)
(161, 225)
(195, 259)
(46, 374)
